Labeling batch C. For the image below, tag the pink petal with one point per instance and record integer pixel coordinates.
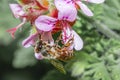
(69, 33)
(66, 33)
(68, 14)
(95, 1)
(61, 4)
(47, 36)
(38, 56)
(66, 36)
(67, 11)
(17, 10)
(45, 23)
(85, 9)
(78, 43)
(12, 32)
(29, 41)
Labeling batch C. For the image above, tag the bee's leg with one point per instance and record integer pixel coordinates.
(69, 43)
(39, 36)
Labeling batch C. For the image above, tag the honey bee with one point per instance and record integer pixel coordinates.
(54, 51)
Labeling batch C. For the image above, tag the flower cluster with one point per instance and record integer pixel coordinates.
(49, 17)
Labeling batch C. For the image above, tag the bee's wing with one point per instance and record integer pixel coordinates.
(58, 65)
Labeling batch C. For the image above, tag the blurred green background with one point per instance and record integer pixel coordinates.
(98, 60)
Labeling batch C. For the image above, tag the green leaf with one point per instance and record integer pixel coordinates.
(80, 63)
(112, 21)
(78, 68)
(100, 71)
(115, 72)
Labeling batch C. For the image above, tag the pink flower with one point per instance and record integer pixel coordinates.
(60, 5)
(65, 16)
(69, 34)
(18, 13)
(47, 23)
(30, 15)
(32, 39)
(17, 10)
